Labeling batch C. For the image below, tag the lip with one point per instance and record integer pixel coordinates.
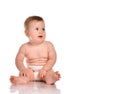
(40, 36)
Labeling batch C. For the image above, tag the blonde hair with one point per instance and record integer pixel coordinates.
(32, 18)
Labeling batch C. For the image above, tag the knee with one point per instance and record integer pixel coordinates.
(27, 73)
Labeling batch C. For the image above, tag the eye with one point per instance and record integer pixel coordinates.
(36, 29)
(43, 29)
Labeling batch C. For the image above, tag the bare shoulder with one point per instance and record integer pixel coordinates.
(48, 43)
(24, 46)
(50, 46)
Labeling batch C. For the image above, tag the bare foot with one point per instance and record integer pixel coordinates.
(18, 80)
(52, 78)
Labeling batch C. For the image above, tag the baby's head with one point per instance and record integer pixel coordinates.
(35, 29)
(30, 19)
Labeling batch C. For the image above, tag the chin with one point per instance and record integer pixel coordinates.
(40, 41)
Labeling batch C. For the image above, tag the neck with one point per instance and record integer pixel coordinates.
(35, 43)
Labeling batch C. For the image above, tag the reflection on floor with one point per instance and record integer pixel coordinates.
(34, 88)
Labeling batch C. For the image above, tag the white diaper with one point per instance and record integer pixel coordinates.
(36, 70)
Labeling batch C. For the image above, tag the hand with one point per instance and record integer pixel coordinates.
(27, 73)
(42, 73)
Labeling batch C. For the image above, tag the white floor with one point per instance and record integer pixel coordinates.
(30, 88)
(34, 88)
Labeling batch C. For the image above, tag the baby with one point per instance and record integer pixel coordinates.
(40, 55)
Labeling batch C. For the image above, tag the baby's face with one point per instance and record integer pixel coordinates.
(36, 31)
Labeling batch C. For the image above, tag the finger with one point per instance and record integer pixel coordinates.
(41, 75)
(25, 75)
(21, 74)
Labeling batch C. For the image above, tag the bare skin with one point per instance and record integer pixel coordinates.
(37, 52)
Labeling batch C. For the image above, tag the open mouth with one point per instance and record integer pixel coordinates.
(40, 36)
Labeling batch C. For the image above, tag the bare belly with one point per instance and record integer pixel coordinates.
(37, 61)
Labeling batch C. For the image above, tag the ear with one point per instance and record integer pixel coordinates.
(26, 33)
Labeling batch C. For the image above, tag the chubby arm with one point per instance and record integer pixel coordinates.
(51, 57)
(20, 58)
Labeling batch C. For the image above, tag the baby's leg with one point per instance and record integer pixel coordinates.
(51, 77)
(19, 80)
(24, 77)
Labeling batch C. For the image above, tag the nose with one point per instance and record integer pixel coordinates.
(40, 31)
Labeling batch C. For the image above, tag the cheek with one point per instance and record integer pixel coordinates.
(44, 34)
(31, 33)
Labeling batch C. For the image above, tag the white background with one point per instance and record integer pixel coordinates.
(85, 33)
